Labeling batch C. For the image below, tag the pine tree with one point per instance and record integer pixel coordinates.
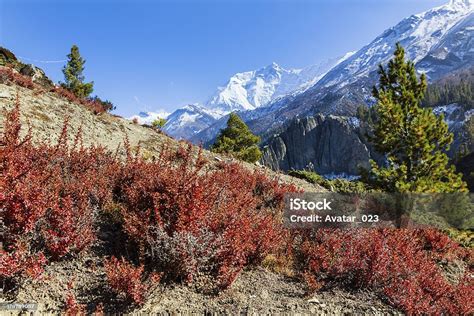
(73, 75)
(158, 123)
(237, 139)
(413, 139)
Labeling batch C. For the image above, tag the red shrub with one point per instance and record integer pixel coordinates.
(48, 195)
(126, 279)
(95, 105)
(7, 74)
(71, 307)
(395, 263)
(216, 222)
(19, 261)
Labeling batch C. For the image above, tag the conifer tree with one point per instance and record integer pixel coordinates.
(413, 139)
(158, 123)
(237, 139)
(73, 75)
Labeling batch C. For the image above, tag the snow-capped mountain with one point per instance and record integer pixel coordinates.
(149, 117)
(421, 35)
(452, 52)
(189, 120)
(253, 89)
(246, 91)
(439, 41)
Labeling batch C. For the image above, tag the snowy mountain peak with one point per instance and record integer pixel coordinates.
(254, 89)
(274, 65)
(418, 34)
(459, 5)
(246, 91)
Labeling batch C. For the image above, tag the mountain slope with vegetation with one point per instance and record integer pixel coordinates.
(89, 228)
(45, 112)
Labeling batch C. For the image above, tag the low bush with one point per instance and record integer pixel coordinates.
(48, 198)
(95, 104)
(71, 306)
(188, 221)
(8, 75)
(126, 279)
(400, 265)
(336, 185)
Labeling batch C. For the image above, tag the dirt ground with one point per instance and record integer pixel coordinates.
(255, 292)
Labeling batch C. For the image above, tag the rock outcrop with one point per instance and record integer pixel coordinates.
(37, 75)
(327, 144)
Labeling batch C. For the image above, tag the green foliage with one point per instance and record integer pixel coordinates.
(466, 166)
(158, 123)
(413, 139)
(7, 57)
(366, 114)
(237, 139)
(463, 237)
(457, 209)
(73, 75)
(457, 88)
(336, 185)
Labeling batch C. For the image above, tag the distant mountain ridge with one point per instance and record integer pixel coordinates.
(245, 91)
(438, 40)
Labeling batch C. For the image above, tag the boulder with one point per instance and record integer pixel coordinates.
(37, 75)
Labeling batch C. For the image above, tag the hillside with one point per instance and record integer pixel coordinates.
(173, 231)
(45, 112)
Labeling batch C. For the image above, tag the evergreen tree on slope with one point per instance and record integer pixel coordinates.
(73, 75)
(413, 139)
(237, 139)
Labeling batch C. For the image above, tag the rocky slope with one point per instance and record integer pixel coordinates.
(337, 144)
(45, 113)
(255, 292)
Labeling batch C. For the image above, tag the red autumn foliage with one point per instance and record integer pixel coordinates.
(48, 196)
(94, 104)
(7, 74)
(399, 264)
(188, 219)
(217, 221)
(126, 279)
(72, 307)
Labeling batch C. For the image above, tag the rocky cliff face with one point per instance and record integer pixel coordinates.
(336, 145)
(327, 144)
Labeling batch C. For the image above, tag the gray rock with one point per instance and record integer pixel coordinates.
(330, 144)
(37, 75)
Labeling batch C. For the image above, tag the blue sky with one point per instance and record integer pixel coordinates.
(164, 54)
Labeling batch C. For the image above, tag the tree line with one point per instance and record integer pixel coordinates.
(458, 88)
